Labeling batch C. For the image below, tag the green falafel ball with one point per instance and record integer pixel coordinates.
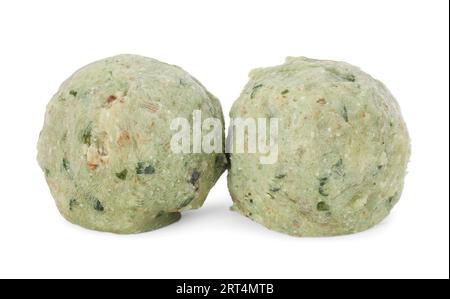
(106, 145)
(343, 150)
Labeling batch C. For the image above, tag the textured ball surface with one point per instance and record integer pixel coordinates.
(105, 146)
(343, 150)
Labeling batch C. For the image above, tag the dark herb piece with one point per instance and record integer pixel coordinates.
(323, 182)
(122, 175)
(47, 172)
(380, 167)
(280, 176)
(72, 203)
(322, 101)
(145, 168)
(87, 135)
(98, 206)
(391, 199)
(350, 77)
(338, 168)
(275, 190)
(255, 90)
(345, 114)
(73, 93)
(66, 164)
(183, 83)
(285, 92)
(195, 177)
(323, 206)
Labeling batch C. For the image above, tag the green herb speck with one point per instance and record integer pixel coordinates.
(285, 92)
(72, 203)
(87, 135)
(73, 93)
(323, 206)
(338, 168)
(323, 182)
(66, 164)
(255, 90)
(122, 175)
(144, 168)
(350, 77)
(345, 114)
(280, 176)
(275, 189)
(98, 206)
(195, 177)
(183, 83)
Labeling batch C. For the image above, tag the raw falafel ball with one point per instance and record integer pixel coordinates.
(343, 150)
(105, 146)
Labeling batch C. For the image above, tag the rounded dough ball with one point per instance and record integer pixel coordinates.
(343, 150)
(105, 146)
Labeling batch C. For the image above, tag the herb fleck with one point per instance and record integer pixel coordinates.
(145, 168)
(345, 114)
(350, 77)
(73, 93)
(47, 172)
(66, 164)
(87, 135)
(322, 101)
(280, 176)
(72, 203)
(98, 206)
(183, 83)
(323, 182)
(195, 177)
(275, 189)
(323, 206)
(122, 175)
(255, 90)
(285, 92)
(338, 168)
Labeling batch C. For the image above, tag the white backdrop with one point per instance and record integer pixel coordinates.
(403, 43)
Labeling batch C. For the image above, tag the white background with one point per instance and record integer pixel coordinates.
(403, 43)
